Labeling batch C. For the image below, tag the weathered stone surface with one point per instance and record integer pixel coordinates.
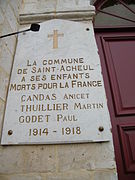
(20, 159)
(11, 18)
(86, 156)
(78, 175)
(33, 11)
(2, 177)
(10, 44)
(10, 41)
(108, 175)
(53, 5)
(39, 158)
(21, 177)
(15, 6)
(11, 159)
(3, 5)
(1, 17)
(2, 105)
(4, 78)
(6, 28)
(6, 58)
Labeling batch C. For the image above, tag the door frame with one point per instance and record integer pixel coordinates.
(115, 128)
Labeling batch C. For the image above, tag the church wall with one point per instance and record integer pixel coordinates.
(9, 21)
(88, 161)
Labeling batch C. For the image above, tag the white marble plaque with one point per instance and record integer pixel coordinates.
(56, 92)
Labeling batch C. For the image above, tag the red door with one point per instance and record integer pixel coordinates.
(117, 54)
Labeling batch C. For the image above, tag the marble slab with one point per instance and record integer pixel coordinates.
(56, 92)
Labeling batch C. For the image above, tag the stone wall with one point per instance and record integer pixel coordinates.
(88, 161)
(9, 13)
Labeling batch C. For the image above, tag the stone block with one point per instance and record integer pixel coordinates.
(4, 79)
(86, 156)
(2, 105)
(11, 18)
(10, 43)
(78, 175)
(109, 175)
(32, 1)
(2, 177)
(75, 3)
(1, 17)
(3, 5)
(6, 59)
(44, 10)
(20, 2)
(32, 6)
(12, 159)
(6, 29)
(40, 158)
(2, 44)
(15, 6)
(38, 6)
(1, 27)
(27, 159)
(20, 177)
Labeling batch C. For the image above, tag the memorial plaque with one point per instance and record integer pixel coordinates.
(56, 92)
